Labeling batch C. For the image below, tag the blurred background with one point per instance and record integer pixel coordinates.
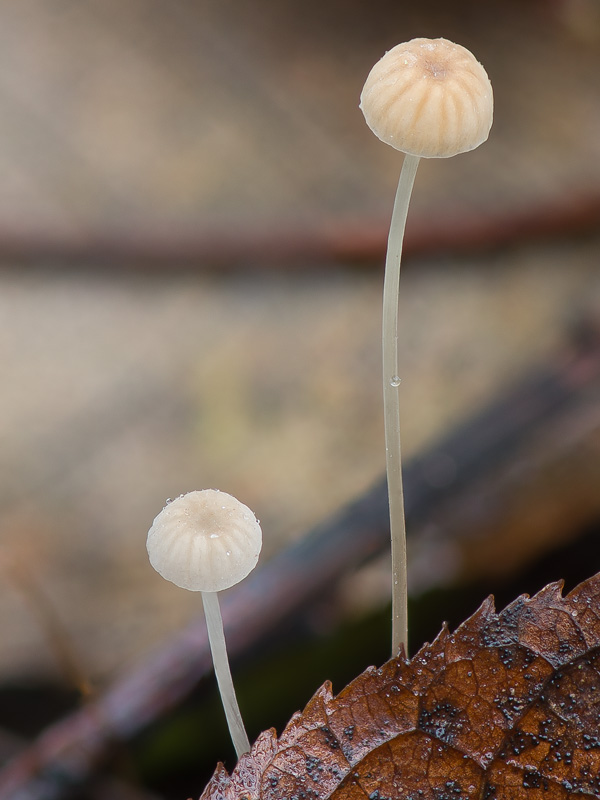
(192, 231)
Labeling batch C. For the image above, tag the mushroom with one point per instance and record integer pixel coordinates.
(428, 98)
(207, 541)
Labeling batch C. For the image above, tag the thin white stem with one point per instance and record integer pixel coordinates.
(216, 639)
(391, 403)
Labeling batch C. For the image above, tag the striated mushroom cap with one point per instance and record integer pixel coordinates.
(429, 98)
(204, 541)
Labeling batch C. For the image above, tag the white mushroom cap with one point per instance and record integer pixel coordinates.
(429, 98)
(204, 541)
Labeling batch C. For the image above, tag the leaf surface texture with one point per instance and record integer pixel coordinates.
(506, 707)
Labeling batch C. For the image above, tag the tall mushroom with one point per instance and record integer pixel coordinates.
(428, 98)
(207, 541)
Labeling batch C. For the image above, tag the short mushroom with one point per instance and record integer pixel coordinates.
(206, 541)
(428, 98)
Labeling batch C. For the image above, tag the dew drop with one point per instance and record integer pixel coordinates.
(214, 536)
(395, 380)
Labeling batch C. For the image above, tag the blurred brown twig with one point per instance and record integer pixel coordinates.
(350, 241)
(17, 569)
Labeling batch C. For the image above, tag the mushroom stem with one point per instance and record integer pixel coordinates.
(216, 639)
(391, 403)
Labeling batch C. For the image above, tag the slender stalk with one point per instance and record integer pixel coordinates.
(216, 639)
(391, 403)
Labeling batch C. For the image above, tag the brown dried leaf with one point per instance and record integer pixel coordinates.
(506, 707)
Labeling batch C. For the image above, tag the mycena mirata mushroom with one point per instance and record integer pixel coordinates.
(428, 98)
(206, 541)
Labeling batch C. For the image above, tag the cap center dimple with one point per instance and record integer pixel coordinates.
(436, 69)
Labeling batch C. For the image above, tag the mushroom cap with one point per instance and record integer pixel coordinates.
(204, 541)
(429, 98)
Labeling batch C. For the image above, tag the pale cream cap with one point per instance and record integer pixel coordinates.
(429, 98)
(204, 541)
